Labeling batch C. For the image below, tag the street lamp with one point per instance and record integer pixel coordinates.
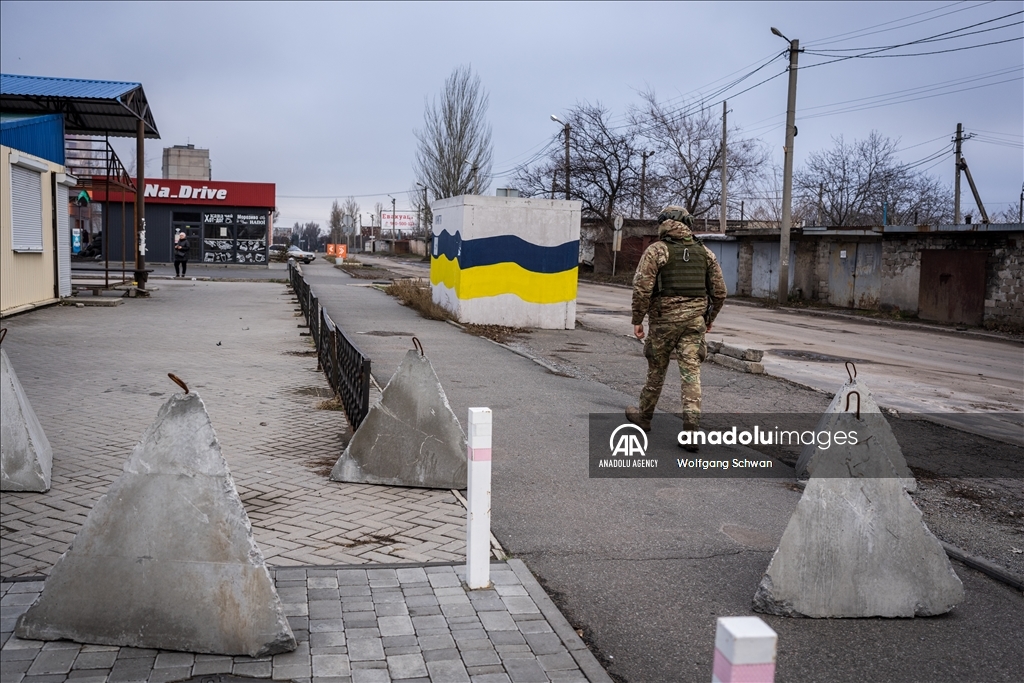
(394, 219)
(566, 131)
(787, 172)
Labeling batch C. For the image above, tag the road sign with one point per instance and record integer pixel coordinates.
(618, 223)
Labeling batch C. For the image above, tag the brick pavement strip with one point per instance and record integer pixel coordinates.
(367, 644)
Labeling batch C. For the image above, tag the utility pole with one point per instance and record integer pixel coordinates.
(140, 207)
(565, 130)
(956, 183)
(787, 177)
(725, 177)
(394, 220)
(643, 180)
(554, 179)
(961, 165)
(567, 161)
(1020, 209)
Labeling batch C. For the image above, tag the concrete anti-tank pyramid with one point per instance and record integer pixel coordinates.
(857, 546)
(166, 559)
(410, 438)
(26, 458)
(872, 426)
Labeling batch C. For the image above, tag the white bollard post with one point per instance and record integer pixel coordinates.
(478, 513)
(744, 651)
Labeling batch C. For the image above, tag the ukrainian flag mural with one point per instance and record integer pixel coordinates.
(506, 261)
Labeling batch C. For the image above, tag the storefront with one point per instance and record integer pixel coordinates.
(226, 222)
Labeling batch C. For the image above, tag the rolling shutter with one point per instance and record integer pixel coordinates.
(63, 241)
(26, 210)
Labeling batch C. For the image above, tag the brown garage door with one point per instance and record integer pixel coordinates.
(952, 286)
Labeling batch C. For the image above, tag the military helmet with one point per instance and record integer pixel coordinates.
(675, 213)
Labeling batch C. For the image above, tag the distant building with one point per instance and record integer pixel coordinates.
(186, 162)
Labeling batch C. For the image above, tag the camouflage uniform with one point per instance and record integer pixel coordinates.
(677, 323)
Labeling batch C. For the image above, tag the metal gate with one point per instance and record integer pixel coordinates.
(952, 286)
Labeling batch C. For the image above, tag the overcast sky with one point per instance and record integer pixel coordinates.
(323, 99)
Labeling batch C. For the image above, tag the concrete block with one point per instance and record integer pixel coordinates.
(736, 363)
(753, 355)
(166, 559)
(858, 547)
(876, 453)
(410, 438)
(26, 458)
(713, 346)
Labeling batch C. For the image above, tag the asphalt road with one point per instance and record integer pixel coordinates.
(644, 567)
(970, 382)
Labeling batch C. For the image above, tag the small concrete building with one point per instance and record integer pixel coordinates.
(506, 260)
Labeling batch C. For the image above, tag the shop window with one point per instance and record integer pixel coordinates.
(251, 234)
(218, 238)
(186, 217)
(26, 207)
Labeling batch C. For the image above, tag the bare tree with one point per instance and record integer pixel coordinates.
(686, 167)
(604, 165)
(378, 209)
(308, 236)
(350, 211)
(763, 202)
(454, 153)
(336, 223)
(864, 183)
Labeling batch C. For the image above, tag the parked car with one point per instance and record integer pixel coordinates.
(299, 255)
(278, 252)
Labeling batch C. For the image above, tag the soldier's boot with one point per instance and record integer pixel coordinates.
(641, 420)
(690, 425)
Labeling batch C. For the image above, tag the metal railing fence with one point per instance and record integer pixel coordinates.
(346, 367)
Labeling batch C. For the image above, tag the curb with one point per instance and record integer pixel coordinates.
(984, 566)
(970, 334)
(586, 660)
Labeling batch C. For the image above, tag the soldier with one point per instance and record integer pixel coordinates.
(674, 281)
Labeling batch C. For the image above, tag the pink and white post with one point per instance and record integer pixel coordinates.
(744, 651)
(478, 494)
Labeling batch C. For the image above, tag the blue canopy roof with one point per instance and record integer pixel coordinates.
(89, 107)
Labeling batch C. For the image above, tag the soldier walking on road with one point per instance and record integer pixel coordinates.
(676, 280)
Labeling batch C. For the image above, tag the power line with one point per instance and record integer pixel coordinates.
(866, 31)
(848, 110)
(941, 37)
(922, 54)
(340, 196)
(870, 53)
(897, 97)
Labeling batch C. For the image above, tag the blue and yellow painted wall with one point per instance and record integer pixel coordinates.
(506, 260)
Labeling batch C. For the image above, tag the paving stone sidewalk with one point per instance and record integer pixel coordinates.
(412, 624)
(97, 376)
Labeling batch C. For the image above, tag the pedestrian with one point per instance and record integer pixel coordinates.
(679, 287)
(180, 254)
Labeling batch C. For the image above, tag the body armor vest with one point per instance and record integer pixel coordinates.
(685, 273)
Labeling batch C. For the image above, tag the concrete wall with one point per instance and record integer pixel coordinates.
(901, 275)
(506, 260)
(27, 279)
(1004, 271)
(883, 270)
(186, 163)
